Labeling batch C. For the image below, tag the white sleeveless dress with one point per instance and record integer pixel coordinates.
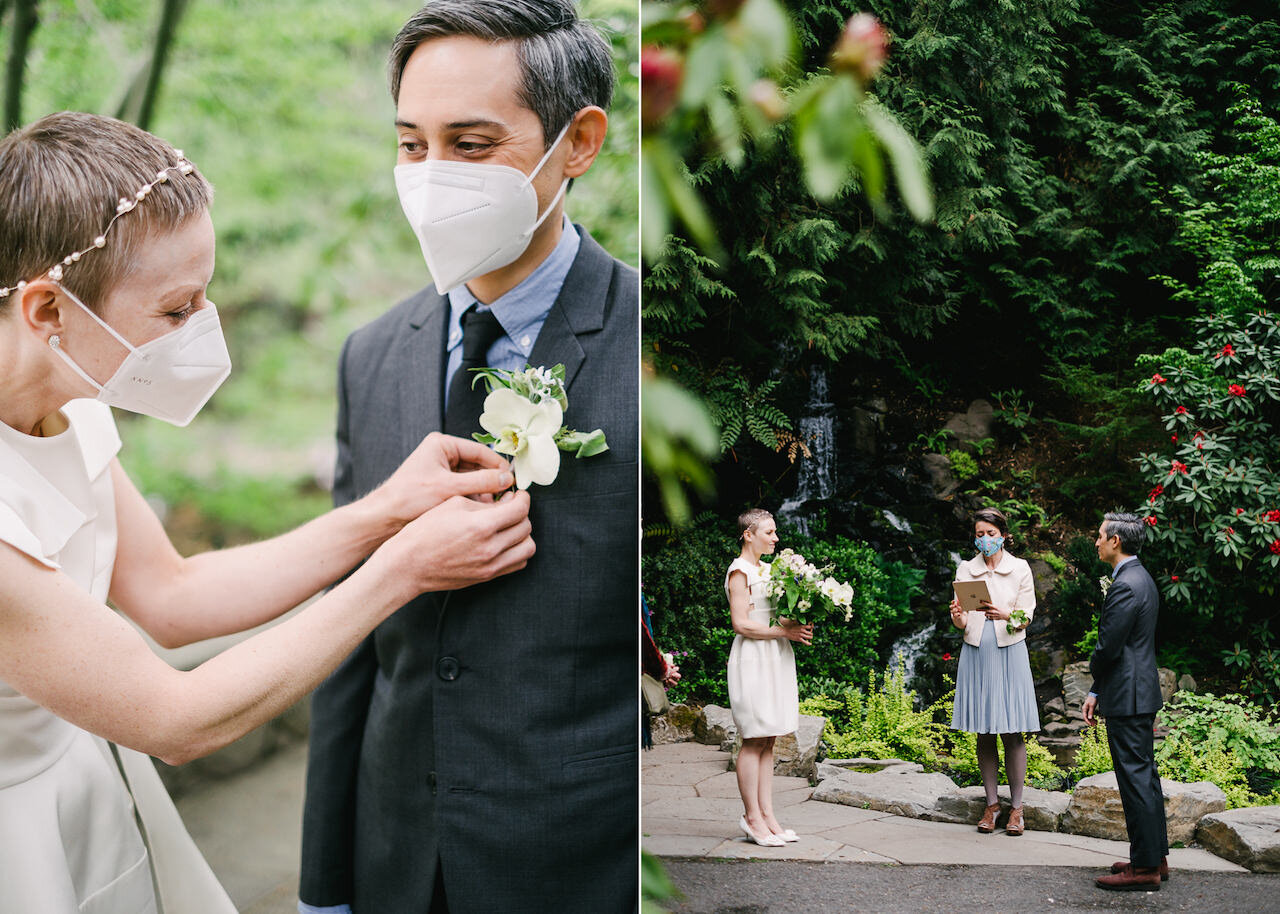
(74, 809)
(763, 696)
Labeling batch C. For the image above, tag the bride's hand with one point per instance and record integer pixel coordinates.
(802, 634)
(439, 468)
(463, 542)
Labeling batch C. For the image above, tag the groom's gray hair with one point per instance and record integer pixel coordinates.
(565, 63)
(1129, 528)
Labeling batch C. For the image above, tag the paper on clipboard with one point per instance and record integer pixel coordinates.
(971, 594)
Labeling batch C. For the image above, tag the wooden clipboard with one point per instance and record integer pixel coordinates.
(971, 594)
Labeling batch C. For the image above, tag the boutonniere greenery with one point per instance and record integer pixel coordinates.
(1104, 583)
(523, 419)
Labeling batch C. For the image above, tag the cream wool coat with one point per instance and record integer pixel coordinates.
(1011, 587)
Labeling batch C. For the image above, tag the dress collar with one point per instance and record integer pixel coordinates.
(978, 565)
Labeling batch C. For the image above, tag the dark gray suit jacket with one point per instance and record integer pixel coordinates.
(496, 730)
(1123, 664)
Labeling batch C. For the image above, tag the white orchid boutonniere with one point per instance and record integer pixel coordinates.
(523, 418)
(1104, 584)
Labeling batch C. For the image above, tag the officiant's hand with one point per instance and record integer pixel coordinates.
(439, 468)
(461, 542)
(995, 613)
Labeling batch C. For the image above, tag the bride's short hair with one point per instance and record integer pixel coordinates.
(62, 179)
(748, 520)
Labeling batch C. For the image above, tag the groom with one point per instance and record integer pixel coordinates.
(478, 752)
(1126, 691)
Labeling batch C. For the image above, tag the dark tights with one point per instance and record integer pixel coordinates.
(1015, 765)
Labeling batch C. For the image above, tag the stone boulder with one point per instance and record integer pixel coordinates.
(1043, 577)
(794, 754)
(938, 470)
(1096, 810)
(974, 424)
(1076, 682)
(675, 725)
(714, 725)
(903, 793)
(835, 766)
(1186, 683)
(1249, 837)
(1168, 683)
(1041, 809)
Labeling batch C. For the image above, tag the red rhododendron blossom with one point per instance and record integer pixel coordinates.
(1181, 411)
(1229, 531)
(1226, 350)
(1157, 378)
(1275, 547)
(1151, 520)
(946, 656)
(1173, 438)
(1273, 515)
(1236, 390)
(1239, 511)
(1174, 578)
(1178, 467)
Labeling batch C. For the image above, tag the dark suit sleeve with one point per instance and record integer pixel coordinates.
(1119, 611)
(338, 711)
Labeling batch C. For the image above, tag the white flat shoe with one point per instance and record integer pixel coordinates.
(771, 840)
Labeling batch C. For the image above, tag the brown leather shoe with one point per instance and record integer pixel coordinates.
(987, 824)
(1163, 868)
(1014, 826)
(1130, 879)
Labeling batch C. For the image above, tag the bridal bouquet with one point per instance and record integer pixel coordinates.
(522, 418)
(805, 592)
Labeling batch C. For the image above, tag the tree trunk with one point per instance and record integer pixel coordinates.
(25, 20)
(139, 102)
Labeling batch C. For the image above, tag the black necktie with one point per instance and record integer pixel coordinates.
(480, 330)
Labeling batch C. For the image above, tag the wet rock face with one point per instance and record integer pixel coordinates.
(972, 425)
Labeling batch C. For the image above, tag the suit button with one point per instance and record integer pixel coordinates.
(447, 669)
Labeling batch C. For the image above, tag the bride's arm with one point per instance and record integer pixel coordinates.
(180, 600)
(740, 612)
(73, 655)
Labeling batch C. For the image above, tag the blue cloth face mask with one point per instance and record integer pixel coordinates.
(988, 545)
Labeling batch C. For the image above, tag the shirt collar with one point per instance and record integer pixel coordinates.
(522, 310)
(1120, 564)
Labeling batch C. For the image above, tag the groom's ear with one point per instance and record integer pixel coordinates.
(586, 136)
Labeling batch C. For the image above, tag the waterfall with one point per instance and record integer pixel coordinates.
(907, 650)
(817, 429)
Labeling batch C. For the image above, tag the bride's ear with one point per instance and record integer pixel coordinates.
(40, 309)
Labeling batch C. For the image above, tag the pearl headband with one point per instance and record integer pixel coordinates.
(126, 205)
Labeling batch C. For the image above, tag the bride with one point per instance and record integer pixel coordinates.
(106, 248)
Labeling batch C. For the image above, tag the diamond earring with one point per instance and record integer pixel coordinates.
(55, 341)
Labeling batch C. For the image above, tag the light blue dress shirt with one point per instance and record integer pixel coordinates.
(521, 312)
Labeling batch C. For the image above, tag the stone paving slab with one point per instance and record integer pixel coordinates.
(831, 832)
(809, 847)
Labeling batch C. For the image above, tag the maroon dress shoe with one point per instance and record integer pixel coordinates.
(1164, 867)
(1130, 879)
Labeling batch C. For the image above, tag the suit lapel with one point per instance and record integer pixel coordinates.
(578, 309)
(421, 371)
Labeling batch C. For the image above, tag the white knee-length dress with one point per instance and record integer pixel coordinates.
(86, 827)
(763, 696)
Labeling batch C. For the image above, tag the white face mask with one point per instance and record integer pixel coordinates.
(169, 378)
(471, 218)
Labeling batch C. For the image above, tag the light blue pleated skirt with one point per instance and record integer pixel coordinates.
(994, 690)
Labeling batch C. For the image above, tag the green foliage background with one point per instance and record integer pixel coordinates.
(1105, 174)
(284, 106)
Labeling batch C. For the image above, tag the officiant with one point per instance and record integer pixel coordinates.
(995, 693)
(478, 754)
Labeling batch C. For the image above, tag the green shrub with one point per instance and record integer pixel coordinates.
(1229, 737)
(1213, 510)
(881, 722)
(1094, 755)
(1180, 759)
